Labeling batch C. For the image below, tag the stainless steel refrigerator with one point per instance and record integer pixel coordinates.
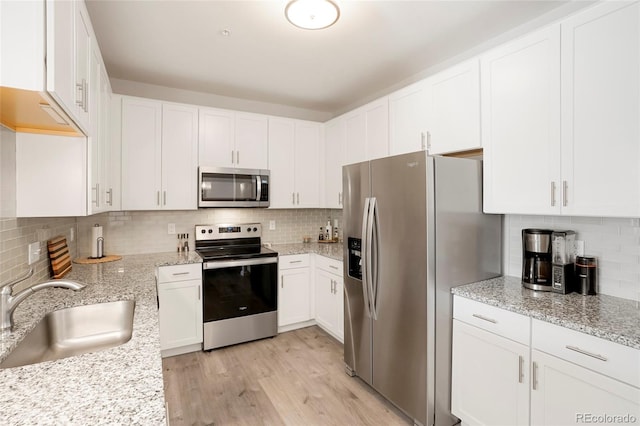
(413, 228)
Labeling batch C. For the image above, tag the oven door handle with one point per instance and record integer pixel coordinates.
(241, 262)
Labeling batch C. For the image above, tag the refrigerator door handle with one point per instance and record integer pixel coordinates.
(364, 258)
(374, 244)
(369, 257)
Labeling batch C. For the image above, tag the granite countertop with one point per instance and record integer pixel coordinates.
(121, 385)
(331, 250)
(607, 317)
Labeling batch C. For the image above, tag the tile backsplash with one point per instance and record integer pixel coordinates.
(614, 241)
(146, 232)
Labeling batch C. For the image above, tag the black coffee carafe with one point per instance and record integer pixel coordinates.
(536, 259)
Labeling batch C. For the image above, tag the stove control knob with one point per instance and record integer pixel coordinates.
(203, 231)
(255, 229)
(211, 231)
(248, 229)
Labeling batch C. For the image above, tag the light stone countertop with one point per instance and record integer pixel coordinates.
(607, 317)
(331, 250)
(121, 385)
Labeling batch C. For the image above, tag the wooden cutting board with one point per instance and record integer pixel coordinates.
(59, 255)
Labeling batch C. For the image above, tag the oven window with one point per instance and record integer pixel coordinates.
(239, 291)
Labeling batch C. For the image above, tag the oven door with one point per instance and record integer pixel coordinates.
(223, 187)
(237, 288)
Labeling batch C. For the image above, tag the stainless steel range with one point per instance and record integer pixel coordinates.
(240, 284)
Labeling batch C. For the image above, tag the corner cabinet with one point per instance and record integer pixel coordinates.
(295, 302)
(408, 119)
(367, 130)
(159, 155)
(335, 141)
(329, 295)
(180, 308)
(294, 162)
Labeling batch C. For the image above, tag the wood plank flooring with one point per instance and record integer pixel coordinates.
(296, 378)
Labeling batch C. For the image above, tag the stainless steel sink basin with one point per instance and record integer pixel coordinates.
(74, 331)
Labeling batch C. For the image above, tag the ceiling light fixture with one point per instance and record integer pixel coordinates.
(312, 14)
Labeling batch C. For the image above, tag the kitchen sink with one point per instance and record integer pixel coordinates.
(74, 331)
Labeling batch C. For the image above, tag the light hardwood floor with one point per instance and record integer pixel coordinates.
(296, 378)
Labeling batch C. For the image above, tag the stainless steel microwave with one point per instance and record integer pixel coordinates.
(228, 187)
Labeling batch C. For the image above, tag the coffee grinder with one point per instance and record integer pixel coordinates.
(563, 247)
(536, 259)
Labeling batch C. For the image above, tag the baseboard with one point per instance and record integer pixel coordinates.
(181, 350)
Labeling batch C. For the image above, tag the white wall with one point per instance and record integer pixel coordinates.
(614, 241)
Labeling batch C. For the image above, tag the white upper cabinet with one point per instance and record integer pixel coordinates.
(159, 155)
(232, 139)
(335, 140)
(61, 59)
(408, 119)
(294, 161)
(83, 65)
(601, 110)
(368, 132)
(521, 125)
(453, 118)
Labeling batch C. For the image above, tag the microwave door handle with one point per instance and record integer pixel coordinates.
(258, 187)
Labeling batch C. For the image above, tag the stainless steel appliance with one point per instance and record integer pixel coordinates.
(228, 187)
(240, 284)
(414, 228)
(563, 254)
(536, 259)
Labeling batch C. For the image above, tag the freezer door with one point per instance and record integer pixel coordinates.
(356, 186)
(399, 187)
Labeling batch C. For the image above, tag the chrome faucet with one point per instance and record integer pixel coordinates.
(9, 302)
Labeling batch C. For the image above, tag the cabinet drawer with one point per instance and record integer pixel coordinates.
(174, 273)
(293, 261)
(603, 356)
(502, 322)
(329, 265)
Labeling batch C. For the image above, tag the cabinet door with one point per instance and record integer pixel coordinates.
(251, 141)
(294, 296)
(356, 128)
(104, 132)
(61, 53)
(600, 110)
(179, 157)
(408, 119)
(325, 301)
(217, 134)
(521, 125)
(82, 65)
(335, 138)
(281, 156)
(141, 145)
(307, 164)
(564, 393)
(377, 118)
(454, 109)
(338, 292)
(180, 313)
(489, 380)
(115, 152)
(95, 200)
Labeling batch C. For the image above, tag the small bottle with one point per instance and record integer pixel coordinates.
(328, 230)
(321, 235)
(335, 234)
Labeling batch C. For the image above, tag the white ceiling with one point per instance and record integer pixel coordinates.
(373, 46)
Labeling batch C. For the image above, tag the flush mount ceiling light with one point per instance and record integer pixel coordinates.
(312, 14)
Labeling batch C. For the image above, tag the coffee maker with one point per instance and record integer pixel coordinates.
(563, 248)
(536, 259)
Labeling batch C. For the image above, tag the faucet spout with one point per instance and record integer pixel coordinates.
(9, 303)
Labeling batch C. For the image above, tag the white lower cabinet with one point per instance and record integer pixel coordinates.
(294, 292)
(180, 308)
(558, 376)
(329, 296)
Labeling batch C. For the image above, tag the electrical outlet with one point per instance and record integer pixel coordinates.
(171, 229)
(33, 253)
(71, 234)
(272, 225)
(579, 247)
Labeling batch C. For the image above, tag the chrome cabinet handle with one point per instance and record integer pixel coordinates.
(482, 317)
(86, 96)
(423, 145)
(553, 193)
(295, 261)
(198, 292)
(534, 376)
(232, 162)
(110, 193)
(298, 198)
(564, 193)
(237, 157)
(587, 353)
(158, 197)
(520, 369)
(164, 198)
(180, 273)
(281, 281)
(333, 267)
(428, 141)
